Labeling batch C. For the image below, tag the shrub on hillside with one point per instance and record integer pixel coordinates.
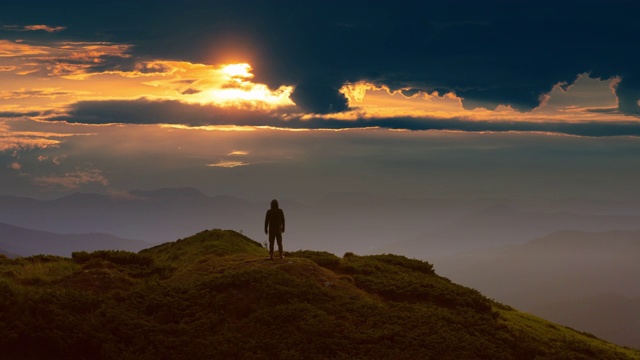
(400, 279)
(322, 258)
(133, 264)
(118, 257)
(411, 264)
(43, 259)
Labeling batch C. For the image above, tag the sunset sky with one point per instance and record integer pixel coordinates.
(295, 100)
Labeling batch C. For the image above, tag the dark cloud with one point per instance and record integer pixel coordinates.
(628, 93)
(410, 92)
(488, 52)
(604, 111)
(144, 111)
(17, 114)
(47, 28)
(318, 97)
(190, 91)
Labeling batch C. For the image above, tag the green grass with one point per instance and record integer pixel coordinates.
(559, 339)
(37, 270)
(209, 242)
(214, 296)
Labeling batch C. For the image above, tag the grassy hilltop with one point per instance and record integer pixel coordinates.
(213, 296)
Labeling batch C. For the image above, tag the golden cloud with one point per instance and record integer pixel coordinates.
(72, 60)
(42, 92)
(73, 180)
(15, 140)
(565, 103)
(12, 49)
(46, 28)
(228, 164)
(11, 143)
(222, 85)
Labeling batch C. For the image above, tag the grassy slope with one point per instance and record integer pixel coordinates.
(214, 296)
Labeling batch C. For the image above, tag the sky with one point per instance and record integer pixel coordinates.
(525, 100)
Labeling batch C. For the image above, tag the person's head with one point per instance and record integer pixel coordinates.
(274, 204)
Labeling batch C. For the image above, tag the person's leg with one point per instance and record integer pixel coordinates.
(279, 238)
(272, 238)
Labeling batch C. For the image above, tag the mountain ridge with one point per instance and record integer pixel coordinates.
(337, 222)
(19, 241)
(214, 295)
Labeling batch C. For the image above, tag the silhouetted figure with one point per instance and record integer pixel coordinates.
(274, 226)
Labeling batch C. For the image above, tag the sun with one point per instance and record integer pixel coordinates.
(237, 89)
(242, 70)
(227, 85)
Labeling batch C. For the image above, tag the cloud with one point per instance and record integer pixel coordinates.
(17, 114)
(488, 53)
(55, 160)
(73, 180)
(628, 93)
(318, 97)
(228, 164)
(604, 110)
(145, 111)
(67, 59)
(218, 84)
(14, 49)
(18, 135)
(11, 143)
(23, 93)
(47, 28)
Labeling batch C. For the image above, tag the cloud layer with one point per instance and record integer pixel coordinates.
(145, 111)
(489, 53)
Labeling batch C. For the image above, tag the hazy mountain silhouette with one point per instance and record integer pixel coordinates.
(501, 224)
(214, 296)
(556, 269)
(592, 206)
(337, 222)
(153, 216)
(19, 241)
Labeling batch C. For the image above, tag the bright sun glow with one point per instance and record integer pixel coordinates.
(238, 89)
(238, 71)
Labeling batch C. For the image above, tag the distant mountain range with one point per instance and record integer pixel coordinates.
(152, 216)
(500, 224)
(558, 272)
(17, 241)
(338, 222)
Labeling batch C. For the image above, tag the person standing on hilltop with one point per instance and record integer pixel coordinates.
(274, 226)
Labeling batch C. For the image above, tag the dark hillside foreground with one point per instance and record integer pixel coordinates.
(214, 296)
